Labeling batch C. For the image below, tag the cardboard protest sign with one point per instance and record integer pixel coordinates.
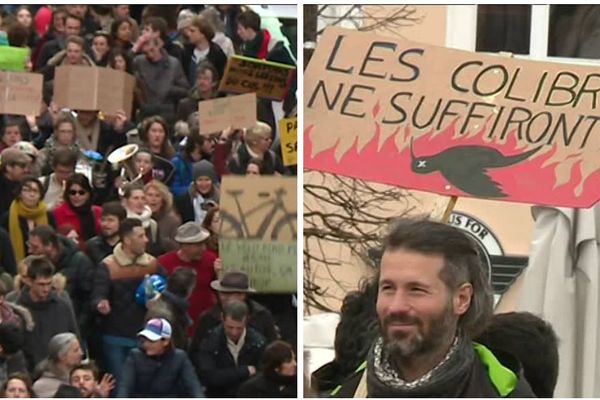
(451, 121)
(236, 111)
(288, 133)
(92, 88)
(20, 93)
(268, 79)
(13, 58)
(258, 230)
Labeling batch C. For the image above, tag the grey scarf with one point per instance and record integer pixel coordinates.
(447, 379)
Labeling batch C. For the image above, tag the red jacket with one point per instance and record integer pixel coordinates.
(64, 214)
(202, 297)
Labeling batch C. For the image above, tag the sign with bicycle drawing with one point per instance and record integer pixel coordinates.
(258, 230)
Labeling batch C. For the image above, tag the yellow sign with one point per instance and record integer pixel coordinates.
(288, 132)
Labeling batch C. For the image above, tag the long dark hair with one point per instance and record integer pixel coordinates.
(81, 180)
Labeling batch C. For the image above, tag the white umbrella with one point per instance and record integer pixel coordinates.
(561, 285)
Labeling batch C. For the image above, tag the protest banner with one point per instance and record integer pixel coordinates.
(288, 133)
(268, 79)
(92, 88)
(235, 111)
(20, 93)
(452, 122)
(258, 230)
(13, 58)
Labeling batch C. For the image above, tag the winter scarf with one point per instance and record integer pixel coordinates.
(87, 220)
(447, 379)
(17, 209)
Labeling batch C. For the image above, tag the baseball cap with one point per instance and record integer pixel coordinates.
(156, 329)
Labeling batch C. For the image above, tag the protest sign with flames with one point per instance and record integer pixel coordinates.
(452, 122)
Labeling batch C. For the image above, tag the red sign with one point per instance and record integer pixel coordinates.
(452, 122)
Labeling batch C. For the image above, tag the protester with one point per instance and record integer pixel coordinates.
(158, 369)
(64, 352)
(64, 161)
(18, 386)
(72, 27)
(233, 286)
(14, 167)
(205, 83)
(257, 144)
(64, 136)
(115, 283)
(11, 133)
(78, 210)
(433, 297)
(192, 238)
(121, 33)
(277, 377)
(203, 193)
(100, 49)
(25, 213)
(200, 34)
(102, 245)
(12, 358)
(134, 201)
(212, 223)
(230, 353)
(85, 377)
(51, 313)
(196, 148)
(173, 304)
(213, 17)
(160, 201)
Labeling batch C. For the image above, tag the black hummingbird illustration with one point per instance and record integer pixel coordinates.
(466, 167)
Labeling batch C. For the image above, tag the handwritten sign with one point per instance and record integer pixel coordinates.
(258, 229)
(20, 93)
(13, 58)
(452, 122)
(288, 131)
(268, 79)
(93, 88)
(271, 266)
(236, 111)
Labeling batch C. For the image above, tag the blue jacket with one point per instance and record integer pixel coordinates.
(182, 178)
(170, 375)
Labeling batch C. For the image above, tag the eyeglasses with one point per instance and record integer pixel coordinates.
(79, 192)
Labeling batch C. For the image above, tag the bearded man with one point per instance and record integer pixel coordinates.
(433, 296)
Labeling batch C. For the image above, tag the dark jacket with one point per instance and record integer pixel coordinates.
(7, 194)
(238, 162)
(218, 370)
(7, 255)
(23, 224)
(260, 319)
(260, 386)
(175, 310)
(185, 207)
(170, 375)
(117, 284)
(479, 382)
(97, 249)
(215, 56)
(51, 317)
(79, 271)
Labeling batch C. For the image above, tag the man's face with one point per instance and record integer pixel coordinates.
(78, 10)
(36, 247)
(227, 297)
(137, 241)
(152, 49)
(72, 26)
(17, 171)
(109, 226)
(40, 288)
(63, 172)
(193, 251)
(83, 379)
(246, 34)
(233, 328)
(122, 11)
(414, 306)
(85, 117)
(74, 53)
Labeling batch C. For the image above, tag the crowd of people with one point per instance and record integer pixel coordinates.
(111, 282)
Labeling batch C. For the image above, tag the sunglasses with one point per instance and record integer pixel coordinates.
(79, 192)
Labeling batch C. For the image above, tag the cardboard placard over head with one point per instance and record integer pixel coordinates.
(268, 79)
(452, 122)
(288, 132)
(20, 93)
(94, 88)
(235, 111)
(13, 58)
(258, 230)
